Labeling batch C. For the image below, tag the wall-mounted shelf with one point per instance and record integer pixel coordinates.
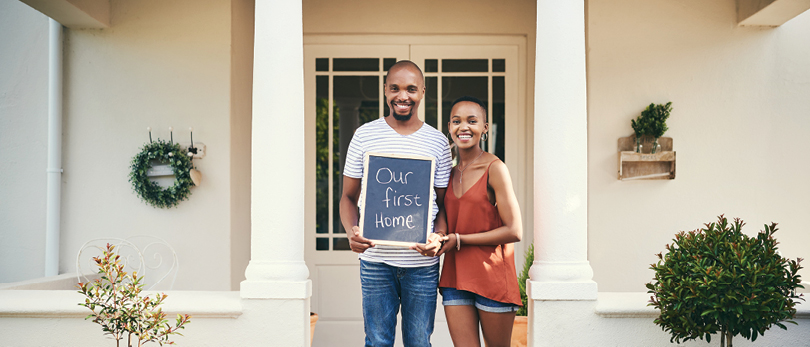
(646, 166)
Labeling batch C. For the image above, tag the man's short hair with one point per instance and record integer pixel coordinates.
(470, 99)
(406, 63)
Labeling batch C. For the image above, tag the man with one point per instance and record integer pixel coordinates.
(394, 277)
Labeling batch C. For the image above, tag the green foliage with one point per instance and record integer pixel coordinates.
(522, 278)
(322, 162)
(119, 308)
(367, 112)
(718, 279)
(149, 191)
(652, 121)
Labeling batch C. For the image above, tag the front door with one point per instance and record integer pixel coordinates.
(343, 90)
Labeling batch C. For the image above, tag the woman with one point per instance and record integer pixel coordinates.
(478, 280)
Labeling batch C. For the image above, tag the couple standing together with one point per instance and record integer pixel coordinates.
(475, 221)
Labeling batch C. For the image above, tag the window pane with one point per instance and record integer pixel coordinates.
(341, 244)
(498, 65)
(322, 64)
(431, 101)
(388, 62)
(497, 129)
(465, 65)
(322, 155)
(431, 65)
(321, 244)
(355, 64)
(356, 97)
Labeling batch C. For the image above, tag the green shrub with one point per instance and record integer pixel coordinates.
(717, 279)
(119, 308)
(522, 278)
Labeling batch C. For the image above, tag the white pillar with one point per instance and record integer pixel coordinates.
(277, 269)
(53, 213)
(561, 270)
(276, 292)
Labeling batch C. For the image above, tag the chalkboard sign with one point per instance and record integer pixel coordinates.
(397, 196)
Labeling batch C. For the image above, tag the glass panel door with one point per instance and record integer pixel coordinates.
(343, 90)
(485, 72)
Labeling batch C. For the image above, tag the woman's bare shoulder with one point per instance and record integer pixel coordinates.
(498, 172)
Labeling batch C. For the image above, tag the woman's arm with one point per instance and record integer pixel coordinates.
(512, 229)
(434, 245)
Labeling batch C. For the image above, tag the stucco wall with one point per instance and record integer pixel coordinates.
(740, 101)
(23, 140)
(161, 64)
(241, 117)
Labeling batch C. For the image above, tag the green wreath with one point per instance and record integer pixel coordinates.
(149, 191)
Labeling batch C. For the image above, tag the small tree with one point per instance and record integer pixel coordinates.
(118, 307)
(717, 279)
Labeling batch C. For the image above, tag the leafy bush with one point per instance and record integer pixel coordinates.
(718, 279)
(652, 123)
(522, 278)
(118, 307)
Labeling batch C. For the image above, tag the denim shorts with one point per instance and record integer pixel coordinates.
(455, 297)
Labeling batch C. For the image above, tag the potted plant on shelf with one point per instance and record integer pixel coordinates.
(717, 279)
(117, 305)
(520, 327)
(650, 125)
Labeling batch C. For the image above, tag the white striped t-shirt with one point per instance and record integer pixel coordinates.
(377, 136)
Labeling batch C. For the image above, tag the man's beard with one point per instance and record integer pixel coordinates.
(403, 118)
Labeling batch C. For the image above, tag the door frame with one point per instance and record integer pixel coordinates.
(520, 162)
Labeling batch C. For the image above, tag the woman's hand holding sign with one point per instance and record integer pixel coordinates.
(432, 247)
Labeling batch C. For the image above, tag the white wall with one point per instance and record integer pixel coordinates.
(241, 116)
(740, 116)
(23, 140)
(161, 64)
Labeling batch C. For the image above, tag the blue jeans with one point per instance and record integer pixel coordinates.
(455, 297)
(387, 287)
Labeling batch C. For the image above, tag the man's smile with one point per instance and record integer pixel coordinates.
(402, 106)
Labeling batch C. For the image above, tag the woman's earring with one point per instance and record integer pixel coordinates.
(484, 137)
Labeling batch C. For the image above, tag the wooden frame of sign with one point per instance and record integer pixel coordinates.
(397, 195)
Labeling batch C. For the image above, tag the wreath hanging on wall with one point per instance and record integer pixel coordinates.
(152, 193)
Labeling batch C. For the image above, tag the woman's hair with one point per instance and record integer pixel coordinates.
(471, 99)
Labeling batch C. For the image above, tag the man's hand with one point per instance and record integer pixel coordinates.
(433, 245)
(358, 243)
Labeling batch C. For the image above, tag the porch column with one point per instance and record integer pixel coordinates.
(277, 269)
(561, 270)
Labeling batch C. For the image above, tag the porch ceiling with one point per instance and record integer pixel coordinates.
(75, 14)
(769, 13)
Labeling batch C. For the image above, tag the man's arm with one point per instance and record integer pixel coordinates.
(349, 216)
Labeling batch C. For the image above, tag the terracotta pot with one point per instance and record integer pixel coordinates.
(520, 332)
(313, 318)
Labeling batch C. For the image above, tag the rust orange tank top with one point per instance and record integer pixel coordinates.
(488, 271)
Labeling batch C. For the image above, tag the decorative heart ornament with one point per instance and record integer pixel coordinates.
(196, 177)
